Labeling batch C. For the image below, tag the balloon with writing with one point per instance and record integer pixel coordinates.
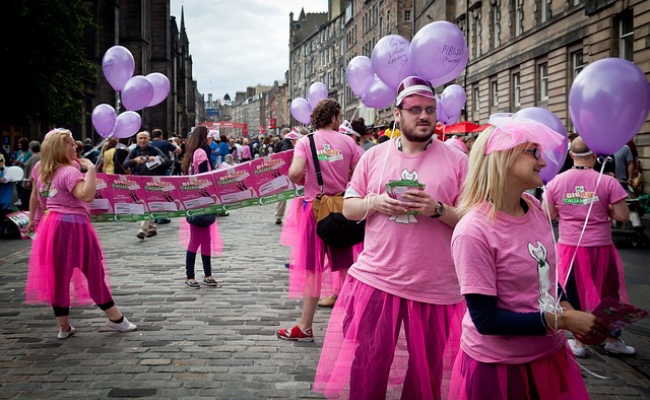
(390, 60)
(438, 50)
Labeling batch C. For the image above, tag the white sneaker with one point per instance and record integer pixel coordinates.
(65, 335)
(619, 347)
(578, 350)
(124, 326)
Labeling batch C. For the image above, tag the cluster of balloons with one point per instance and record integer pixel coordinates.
(450, 104)
(301, 108)
(437, 53)
(137, 92)
(609, 101)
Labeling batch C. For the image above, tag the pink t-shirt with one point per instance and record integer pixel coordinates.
(572, 191)
(337, 156)
(59, 198)
(409, 256)
(246, 152)
(512, 258)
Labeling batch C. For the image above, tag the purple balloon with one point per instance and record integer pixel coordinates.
(127, 125)
(104, 119)
(301, 110)
(437, 50)
(554, 164)
(379, 95)
(118, 66)
(137, 93)
(390, 59)
(316, 92)
(543, 116)
(360, 75)
(160, 85)
(607, 104)
(453, 97)
(451, 75)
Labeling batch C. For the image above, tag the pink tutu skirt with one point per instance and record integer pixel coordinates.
(556, 377)
(204, 240)
(66, 250)
(289, 235)
(381, 346)
(312, 261)
(598, 273)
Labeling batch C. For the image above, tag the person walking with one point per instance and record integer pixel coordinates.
(395, 326)
(208, 238)
(513, 345)
(337, 161)
(67, 246)
(597, 269)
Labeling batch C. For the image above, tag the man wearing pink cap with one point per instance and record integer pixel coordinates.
(403, 292)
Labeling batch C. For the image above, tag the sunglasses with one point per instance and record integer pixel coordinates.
(416, 111)
(535, 152)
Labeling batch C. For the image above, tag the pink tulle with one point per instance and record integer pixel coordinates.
(289, 236)
(66, 250)
(512, 133)
(598, 272)
(381, 346)
(312, 262)
(556, 377)
(186, 232)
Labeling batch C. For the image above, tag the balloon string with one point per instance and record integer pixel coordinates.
(584, 227)
(557, 259)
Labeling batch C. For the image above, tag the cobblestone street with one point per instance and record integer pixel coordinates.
(211, 343)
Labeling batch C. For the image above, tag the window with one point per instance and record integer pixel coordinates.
(518, 17)
(494, 87)
(407, 15)
(388, 22)
(626, 37)
(577, 64)
(542, 74)
(516, 89)
(476, 32)
(477, 103)
(495, 27)
(544, 11)
(381, 26)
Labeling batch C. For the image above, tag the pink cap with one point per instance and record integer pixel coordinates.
(414, 85)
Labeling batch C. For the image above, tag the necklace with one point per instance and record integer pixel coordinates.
(399, 144)
(581, 167)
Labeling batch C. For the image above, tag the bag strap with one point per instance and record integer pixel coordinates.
(319, 174)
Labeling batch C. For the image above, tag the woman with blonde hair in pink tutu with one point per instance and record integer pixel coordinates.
(513, 345)
(67, 246)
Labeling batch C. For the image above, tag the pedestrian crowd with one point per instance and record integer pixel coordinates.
(450, 294)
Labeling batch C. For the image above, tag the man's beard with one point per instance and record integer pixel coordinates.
(411, 136)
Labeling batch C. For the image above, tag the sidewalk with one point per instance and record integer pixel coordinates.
(207, 343)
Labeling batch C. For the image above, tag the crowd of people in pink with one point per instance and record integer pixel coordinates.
(456, 292)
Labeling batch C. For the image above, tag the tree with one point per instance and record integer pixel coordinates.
(44, 61)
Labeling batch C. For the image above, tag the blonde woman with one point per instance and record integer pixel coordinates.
(107, 156)
(513, 345)
(67, 246)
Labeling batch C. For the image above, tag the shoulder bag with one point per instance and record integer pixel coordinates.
(331, 226)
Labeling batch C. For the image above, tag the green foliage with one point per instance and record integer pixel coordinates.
(44, 61)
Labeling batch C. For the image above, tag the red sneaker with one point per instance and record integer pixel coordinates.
(296, 334)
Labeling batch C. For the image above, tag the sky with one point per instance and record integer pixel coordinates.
(239, 43)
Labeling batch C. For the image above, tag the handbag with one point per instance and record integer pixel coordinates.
(202, 221)
(331, 225)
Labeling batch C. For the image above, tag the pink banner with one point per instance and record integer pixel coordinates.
(270, 174)
(103, 195)
(161, 194)
(127, 194)
(236, 185)
(197, 191)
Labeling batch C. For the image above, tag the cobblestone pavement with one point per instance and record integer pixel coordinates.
(216, 343)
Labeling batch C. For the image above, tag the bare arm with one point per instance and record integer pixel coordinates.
(619, 211)
(85, 190)
(297, 170)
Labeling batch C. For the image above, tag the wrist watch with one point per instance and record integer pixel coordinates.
(440, 210)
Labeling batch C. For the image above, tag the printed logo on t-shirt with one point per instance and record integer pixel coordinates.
(406, 218)
(327, 153)
(47, 191)
(538, 253)
(580, 196)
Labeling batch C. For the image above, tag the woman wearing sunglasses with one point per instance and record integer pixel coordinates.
(513, 345)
